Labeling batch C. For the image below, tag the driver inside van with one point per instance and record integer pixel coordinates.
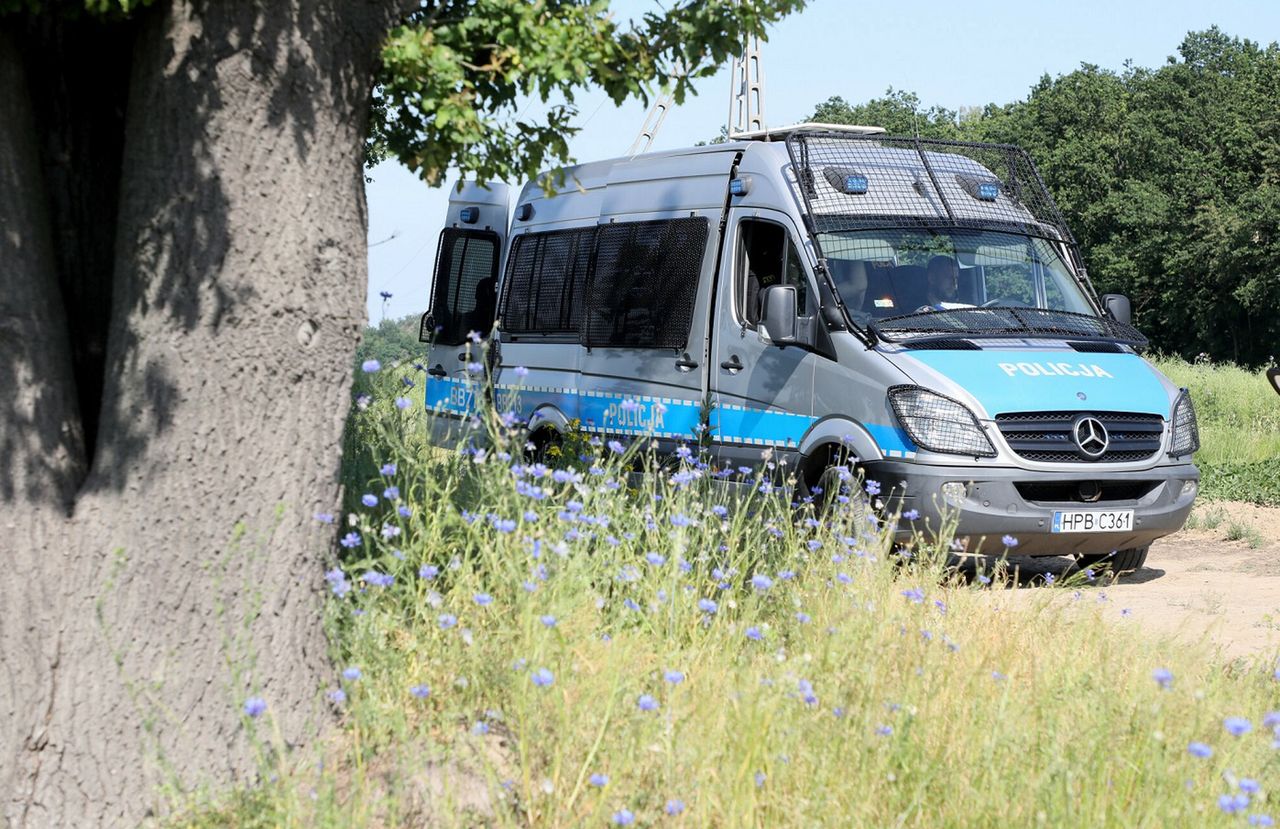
(942, 286)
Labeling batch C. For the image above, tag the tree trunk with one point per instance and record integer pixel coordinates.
(148, 598)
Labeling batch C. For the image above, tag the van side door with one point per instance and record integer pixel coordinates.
(763, 391)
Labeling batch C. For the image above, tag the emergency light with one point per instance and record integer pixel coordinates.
(849, 182)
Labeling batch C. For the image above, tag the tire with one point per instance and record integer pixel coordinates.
(1121, 561)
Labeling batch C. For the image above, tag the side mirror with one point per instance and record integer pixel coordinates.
(426, 328)
(1117, 307)
(778, 314)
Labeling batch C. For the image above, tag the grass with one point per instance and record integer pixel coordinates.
(1239, 419)
(543, 641)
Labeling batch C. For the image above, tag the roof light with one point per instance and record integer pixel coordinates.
(982, 189)
(469, 215)
(740, 186)
(849, 182)
(524, 212)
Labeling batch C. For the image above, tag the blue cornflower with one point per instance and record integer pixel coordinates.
(707, 606)
(377, 579)
(428, 572)
(337, 696)
(720, 510)
(646, 702)
(616, 447)
(1260, 819)
(420, 691)
(630, 604)
(1009, 541)
(520, 371)
(1198, 749)
(369, 499)
(1233, 803)
(656, 559)
(802, 617)
(404, 511)
(480, 728)
(324, 517)
(338, 582)
(873, 487)
(1237, 726)
(598, 780)
(351, 539)
(674, 806)
(447, 620)
(391, 493)
(786, 575)
(911, 514)
(623, 817)
(504, 525)
(915, 595)
(475, 368)
(1249, 785)
(543, 678)
(483, 599)
(1163, 677)
(814, 545)
(760, 778)
(761, 582)
(548, 620)
(754, 634)
(388, 469)
(255, 706)
(403, 403)
(680, 520)
(884, 730)
(351, 674)
(370, 366)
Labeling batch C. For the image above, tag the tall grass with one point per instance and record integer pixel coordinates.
(590, 646)
(1239, 418)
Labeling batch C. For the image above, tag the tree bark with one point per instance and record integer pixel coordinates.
(149, 598)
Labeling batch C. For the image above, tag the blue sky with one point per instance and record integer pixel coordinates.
(950, 54)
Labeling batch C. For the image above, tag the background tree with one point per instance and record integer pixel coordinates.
(182, 287)
(1167, 176)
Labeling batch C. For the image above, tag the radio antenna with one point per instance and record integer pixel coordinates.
(746, 91)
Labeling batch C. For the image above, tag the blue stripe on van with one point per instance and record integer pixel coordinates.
(645, 415)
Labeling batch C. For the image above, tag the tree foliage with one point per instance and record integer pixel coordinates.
(1169, 177)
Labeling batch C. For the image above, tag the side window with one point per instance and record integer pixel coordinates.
(766, 256)
(644, 283)
(465, 294)
(546, 277)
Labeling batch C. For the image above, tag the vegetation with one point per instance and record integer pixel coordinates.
(391, 341)
(1169, 177)
(573, 645)
(1239, 418)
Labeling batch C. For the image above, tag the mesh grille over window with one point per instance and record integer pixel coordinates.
(546, 274)
(465, 284)
(645, 283)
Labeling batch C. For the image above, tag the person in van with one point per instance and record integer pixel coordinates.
(486, 303)
(942, 286)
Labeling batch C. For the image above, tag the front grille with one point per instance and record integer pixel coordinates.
(1084, 492)
(1046, 436)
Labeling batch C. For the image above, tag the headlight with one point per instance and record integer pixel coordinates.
(939, 423)
(1186, 436)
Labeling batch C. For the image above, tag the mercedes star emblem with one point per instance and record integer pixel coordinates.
(1091, 436)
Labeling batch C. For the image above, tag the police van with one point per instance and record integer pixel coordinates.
(818, 293)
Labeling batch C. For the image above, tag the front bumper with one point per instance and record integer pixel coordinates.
(993, 507)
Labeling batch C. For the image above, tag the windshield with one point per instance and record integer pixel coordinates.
(892, 272)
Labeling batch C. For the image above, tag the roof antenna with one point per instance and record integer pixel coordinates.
(746, 91)
(657, 114)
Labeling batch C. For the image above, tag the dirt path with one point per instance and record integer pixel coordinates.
(1219, 580)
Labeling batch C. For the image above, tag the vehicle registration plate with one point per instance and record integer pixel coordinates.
(1093, 521)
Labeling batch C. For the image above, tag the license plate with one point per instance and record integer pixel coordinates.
(1093, 521)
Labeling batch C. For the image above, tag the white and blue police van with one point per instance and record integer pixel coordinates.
(817, 294)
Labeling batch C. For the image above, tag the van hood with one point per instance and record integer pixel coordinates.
(1022, 380)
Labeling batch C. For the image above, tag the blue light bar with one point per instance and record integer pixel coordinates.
(844, 180)
(740, 186)
(469, 215)
(855, 185)
(988, 190)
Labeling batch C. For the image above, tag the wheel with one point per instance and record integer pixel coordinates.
(1121, 561)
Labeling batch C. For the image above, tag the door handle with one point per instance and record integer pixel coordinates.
(732, 365)
(437, 371)
(685, 363)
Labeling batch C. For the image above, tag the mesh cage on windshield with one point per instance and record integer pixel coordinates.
(645, 283)
(546, 274)
(852, 182)
(466, 281)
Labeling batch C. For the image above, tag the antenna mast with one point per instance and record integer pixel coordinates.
(652, 122)
(746, 91)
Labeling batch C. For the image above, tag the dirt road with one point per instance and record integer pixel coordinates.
(1218, 581)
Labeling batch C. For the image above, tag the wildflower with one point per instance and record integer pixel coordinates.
(1232, 803)
(543, 678)
(911, 514)
(1237, 726)
(674, 806)
(351, 674)
(983, 579)
(475, 368)
(391, 493)
(624, 817)
(802, 617)
(656, 559)
(1198, 749)
(761, 582)
(1260, 819)
(760, 778)
(997, 676)
(873, 487)
(363, 401)
(338, 582)
(369, 499)
(647, 703)
(351, 539)
(447, 620)
(428, 572)
(255, 706)
(420, 691)
(1248, 785)
(806, 692)
(915, 595)
(480, 728)
(504, 525)
(680, 520)
(1009, 541)
(403, 403)
(324, 517)
(754, 634)
(1163, 677)
(674, 677)
(483, 599)
(720, 510)
(616, 447)
(337, 696)
(370, 366)
(884, 730)
(598, 780)
(390, 531)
